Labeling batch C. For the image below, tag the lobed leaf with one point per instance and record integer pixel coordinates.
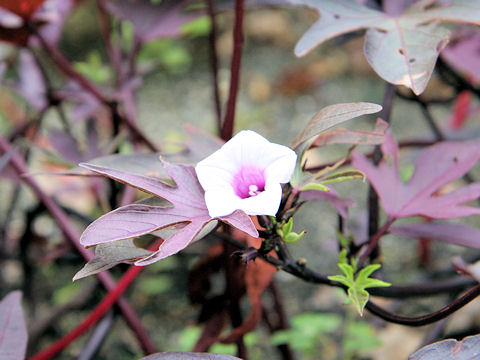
(401, 46)
(186, 207)
(435, 167)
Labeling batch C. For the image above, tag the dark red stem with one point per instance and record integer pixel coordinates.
(94, 316)
(373, 242)
(212, 42)
(425, 319)
(228, 122)
(73, 237)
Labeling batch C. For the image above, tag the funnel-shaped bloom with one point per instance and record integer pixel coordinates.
(246, 174)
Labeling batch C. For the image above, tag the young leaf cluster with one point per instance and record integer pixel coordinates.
(357, 283)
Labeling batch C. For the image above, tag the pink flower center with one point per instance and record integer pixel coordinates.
(248, 182)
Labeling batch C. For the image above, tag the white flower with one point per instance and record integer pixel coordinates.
(246, 174)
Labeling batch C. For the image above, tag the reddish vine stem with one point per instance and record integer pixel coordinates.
(94, 316)
(373, 242)
(301, 271)
(425, 319)
(73, 236)
(212, 42)
(228, 122)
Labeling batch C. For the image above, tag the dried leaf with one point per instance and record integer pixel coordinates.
(258, 277)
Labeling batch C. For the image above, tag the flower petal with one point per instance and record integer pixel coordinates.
(224, 169)
(265, 203)
(221, 202)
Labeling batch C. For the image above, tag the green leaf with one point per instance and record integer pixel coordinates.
(197, 27)
(357, 285)
(343, 176)
(359, 298)
(315, 186)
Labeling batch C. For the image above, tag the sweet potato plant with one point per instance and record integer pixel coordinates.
(212, 243)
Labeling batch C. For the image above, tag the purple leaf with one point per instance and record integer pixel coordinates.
(464, 54)
(458, 234)
(31, 83)
(402, 47)
(153, 21)
(450, 349)
(13, 332)
(66, 145)
(179, 355)
(187, 206)
(85, 104)
(55, 15)
(435, 167)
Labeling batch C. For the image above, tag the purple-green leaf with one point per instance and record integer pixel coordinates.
(180, 355)
(345, 136)
(13, 332)
(435, 167)
(450, 349)
(331, 116)
(110, 254)
(458, 234)
(401, 46)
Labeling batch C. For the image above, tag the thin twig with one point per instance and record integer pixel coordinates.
(373, 242)
(425, 319)
(228, 122)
